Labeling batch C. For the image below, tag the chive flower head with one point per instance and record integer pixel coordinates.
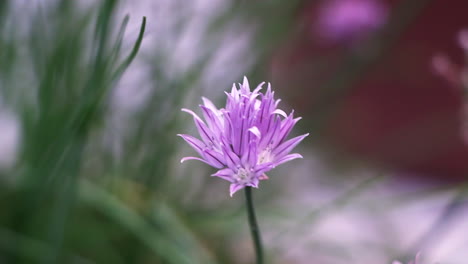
(245, 139)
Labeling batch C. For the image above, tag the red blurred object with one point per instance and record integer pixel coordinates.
(398, 113)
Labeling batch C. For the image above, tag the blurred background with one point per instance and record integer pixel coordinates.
(90, 98)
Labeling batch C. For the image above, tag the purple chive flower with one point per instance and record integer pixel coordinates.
(246, 138)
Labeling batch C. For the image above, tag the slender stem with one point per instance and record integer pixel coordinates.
(254, 230)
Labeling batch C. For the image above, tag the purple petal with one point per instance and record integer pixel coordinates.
(264, 167)
(203, 130)
(207, 102)
(270, 135)
(214, 158)
(234, 92)
(253, 156)
(211, 119)
(192, 113)
(254, 130)
(265, 113)
(195, 143)
(205, 133)
(288, 158)
(245, 85)
(280, 112)
(194, 158)
(232, 160)
(287, 146)
(228, 128)
(277, 102)
(242, 135)
(225, 174)
(286, 127)
(254, 183)
(259, 87)
(249, 158)
(268, 92)
(234, 188)
(239, 135)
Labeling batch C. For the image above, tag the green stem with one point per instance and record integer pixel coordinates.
(254, 230)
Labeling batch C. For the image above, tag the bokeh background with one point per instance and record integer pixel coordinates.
(90, 98)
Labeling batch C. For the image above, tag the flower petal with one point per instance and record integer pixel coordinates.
(287, 146)
(271, 134)
(259, 87)
(214, 158)
(212, 120)
(286, 127)
(254, 183)
(254, 130)
(192, 113)
(280, 112)
(234, 187)
(250, 155)
(207, 102)
(253, 154)
(193, 158)
(264, 167)
(232, 160)
(245, 86)
(195, 143)
(205, 133)
(288, 158)
(225, 174)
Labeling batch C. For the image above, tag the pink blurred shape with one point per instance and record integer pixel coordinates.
(342, 20)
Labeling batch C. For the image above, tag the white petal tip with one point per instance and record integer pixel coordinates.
(280, 112)
(185, 159)
(254, 130)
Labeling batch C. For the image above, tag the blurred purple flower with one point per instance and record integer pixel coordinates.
(463, 39)
(350, 19)
(245, 139)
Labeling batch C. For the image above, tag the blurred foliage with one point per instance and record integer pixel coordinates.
(54, 213)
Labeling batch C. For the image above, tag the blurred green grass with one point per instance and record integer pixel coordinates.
(53, 213)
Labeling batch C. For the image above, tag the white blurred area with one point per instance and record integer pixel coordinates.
(179, 36)
(178, 33)
(9, 139)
